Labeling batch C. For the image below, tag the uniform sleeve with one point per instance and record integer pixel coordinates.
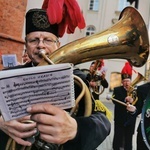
(140, 101)
(92, 131)
(104, 83)
(142, 92)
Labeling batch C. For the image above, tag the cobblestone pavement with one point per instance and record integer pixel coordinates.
(107, 144)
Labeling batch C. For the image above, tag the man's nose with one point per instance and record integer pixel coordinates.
(40, 44)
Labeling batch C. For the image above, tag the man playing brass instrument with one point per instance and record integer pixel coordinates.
(54, 124)
(96, 78)
(143, 91)
(124, 124)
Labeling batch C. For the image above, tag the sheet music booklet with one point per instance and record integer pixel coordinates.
(21, 88)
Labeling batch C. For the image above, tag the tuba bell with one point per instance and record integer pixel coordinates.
(137, 80)
(132, 90)
(127, 39)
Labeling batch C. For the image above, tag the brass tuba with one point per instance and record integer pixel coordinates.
(127, 39)
(132, 90)
(138, 79)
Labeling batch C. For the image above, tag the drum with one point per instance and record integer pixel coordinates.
(145, 121)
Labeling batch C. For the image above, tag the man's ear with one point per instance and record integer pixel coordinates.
(25, 45)
(25, 42)
(58, 44)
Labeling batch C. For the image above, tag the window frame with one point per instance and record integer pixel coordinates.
(91, 30)
(94, 5)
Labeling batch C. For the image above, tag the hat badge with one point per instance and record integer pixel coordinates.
(40, 21)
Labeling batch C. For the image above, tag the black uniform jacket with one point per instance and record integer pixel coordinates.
(142, 92)
(121, 116)
(91, 132)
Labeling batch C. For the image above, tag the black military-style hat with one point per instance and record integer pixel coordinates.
(125, 76)
(37, 20)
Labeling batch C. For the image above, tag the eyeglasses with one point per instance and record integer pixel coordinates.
(36, 41)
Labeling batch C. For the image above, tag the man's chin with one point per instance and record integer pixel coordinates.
(37, 62)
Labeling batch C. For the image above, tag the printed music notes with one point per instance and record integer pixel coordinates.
(20, 88)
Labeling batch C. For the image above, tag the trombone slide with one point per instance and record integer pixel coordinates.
(113, 99)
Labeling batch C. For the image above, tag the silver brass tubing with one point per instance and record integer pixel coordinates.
(113, 99)
(43, 54)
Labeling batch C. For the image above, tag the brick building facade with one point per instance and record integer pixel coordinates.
(12, 15)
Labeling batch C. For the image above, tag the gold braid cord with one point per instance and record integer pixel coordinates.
(99, 106)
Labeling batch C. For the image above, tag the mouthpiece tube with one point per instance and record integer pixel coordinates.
(42, 53)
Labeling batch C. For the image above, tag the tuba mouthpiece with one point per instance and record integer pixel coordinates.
(42, 53)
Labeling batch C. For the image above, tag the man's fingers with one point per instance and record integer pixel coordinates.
(42, 108)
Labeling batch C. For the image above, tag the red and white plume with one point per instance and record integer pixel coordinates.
(65, 13)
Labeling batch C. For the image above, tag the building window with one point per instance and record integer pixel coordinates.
(122, 4)
(90, 30)
(94, 5)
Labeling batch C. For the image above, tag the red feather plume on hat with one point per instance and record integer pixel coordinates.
(127, 70)
(65, 13)
(101, 64)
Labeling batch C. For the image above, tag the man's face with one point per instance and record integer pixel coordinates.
(92, 68)
(126, 83)
(35, 41)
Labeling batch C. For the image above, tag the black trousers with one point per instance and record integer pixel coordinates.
(3, 140)
(140, 143)
(122, 138)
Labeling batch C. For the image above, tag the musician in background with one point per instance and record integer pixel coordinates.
(124, 124)
(96, 78)
(54, 124)
(142, 92)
